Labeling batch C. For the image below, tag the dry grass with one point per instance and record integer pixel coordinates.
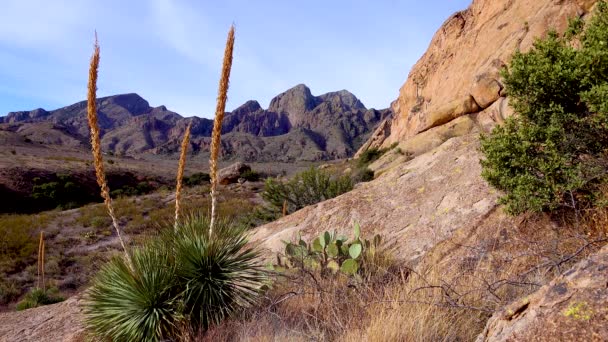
(217, 123)
(96, 145)
(180, 172)
(448, 296)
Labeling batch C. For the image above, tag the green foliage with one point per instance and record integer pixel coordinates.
(363, 175)
(140, 188)
(135, 305)
(9, 291)
(251, 175)
(370, 155)
(65, 192)
(330, 254)
(18, 242)
(304, 189)
(184, 278)
(218, 274)
(39, 297)
(197, 179)
(553, 154)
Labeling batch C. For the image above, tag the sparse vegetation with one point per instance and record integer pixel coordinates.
(251, 175)
(198, 178)
(553, 154)
(38, 297)
(305, 188)
(369, 156)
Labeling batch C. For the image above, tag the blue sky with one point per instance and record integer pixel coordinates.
(169, 51)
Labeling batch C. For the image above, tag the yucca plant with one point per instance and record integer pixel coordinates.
(218, 273)
(198, 272)
(139, 304)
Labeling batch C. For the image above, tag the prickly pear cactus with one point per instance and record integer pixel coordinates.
(329, 253)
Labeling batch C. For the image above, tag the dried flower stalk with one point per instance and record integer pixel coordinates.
(40, 261)
(96, 145)
(180, 173)
(217, 124)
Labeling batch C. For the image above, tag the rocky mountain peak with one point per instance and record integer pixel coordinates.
(343, 99)
(133, 103)
(248, 107)
(295, 102)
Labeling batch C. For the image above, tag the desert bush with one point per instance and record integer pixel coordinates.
(197, 179)
(184, 278)
(9, 290)
(553, 154)
(18, 242)
(39, 297)
(251, 175)
(370, 155)
(304, 189)
(65, 192)
(362, 174)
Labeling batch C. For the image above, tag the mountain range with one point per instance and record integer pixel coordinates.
(297, 126)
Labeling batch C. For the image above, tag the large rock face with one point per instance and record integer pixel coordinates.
(459, 73)
(416, 204)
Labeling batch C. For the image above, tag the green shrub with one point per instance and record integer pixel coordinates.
(304, 189)
(370, 155)
(18, 242)
(9, 291)
(39, 297)
(197, 179)
(184, 278)
(553, 154)
(251, 175)
(364, 174)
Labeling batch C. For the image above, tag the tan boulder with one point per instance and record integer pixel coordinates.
(497, 113)
(486, 90)
(450, 111)
(232, 173)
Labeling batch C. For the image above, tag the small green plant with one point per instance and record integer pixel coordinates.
(363, 175)
(9, 291)
(39, 297)
(370, 156)
(330, 254)
(251, 175)
(197, 179)
(304, 189)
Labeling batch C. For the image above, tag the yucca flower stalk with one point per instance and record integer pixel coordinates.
(180, 173)
(217, 124)
(96, 145)
(41, 284)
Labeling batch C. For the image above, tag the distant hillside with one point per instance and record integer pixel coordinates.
(297, 126)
